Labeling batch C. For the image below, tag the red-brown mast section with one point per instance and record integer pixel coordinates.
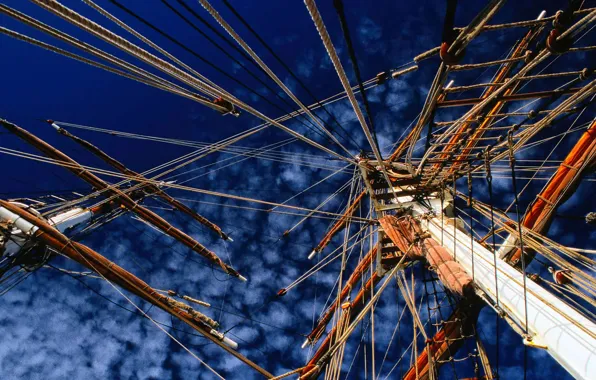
(122, 278)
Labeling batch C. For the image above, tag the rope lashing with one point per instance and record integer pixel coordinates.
(562, 21)
(383, 76)
(524, 57)
(427, 54)
(591, 218)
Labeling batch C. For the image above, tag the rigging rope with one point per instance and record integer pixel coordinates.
(310, 126)
(339, 8)
(147, 41)
(142, 74)
(200, 83)
(320, 26)
(292, 74)
(187, 188)
(272, 75)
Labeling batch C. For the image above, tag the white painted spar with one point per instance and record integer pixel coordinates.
(70, 218)
(21, 224)
(23, 229)
(569, 337)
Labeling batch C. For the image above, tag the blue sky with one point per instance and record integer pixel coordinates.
(53, 327)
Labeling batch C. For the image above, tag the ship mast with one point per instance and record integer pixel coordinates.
(412, 197)
(547, 313)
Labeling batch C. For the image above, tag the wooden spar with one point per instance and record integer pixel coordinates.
(509, 98)
(119, 197)
(320, 358)
(150, 187)
(355, 277)
(339, 225)
(118, 276)
(519, 51)
(450, 338)
(449, 272)
(560, 187)
(407, 234)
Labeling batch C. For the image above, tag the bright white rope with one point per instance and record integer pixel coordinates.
(316, 16)
(263, 66)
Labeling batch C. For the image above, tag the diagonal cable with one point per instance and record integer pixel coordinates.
(271, 74)
(316, 16)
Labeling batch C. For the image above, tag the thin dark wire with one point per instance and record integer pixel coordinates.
(57, 191)
(120, 306)
(454, 218)
(222, 36)
(266, 303)
(521, 241)
(12, 286)
(275, 93)
(440, 315)
(273, 298)
(339, 8)
(428, 307)
(292, 74)
(219, 47)
(470, 211)
(174, 248)
(223, 301)
(197, 55)
(255, 321)
(249, 343)
(141, 315)
(492, 224)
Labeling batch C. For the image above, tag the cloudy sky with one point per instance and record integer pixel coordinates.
(55, 327)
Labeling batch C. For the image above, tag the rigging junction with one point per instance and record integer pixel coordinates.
(415, 216)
